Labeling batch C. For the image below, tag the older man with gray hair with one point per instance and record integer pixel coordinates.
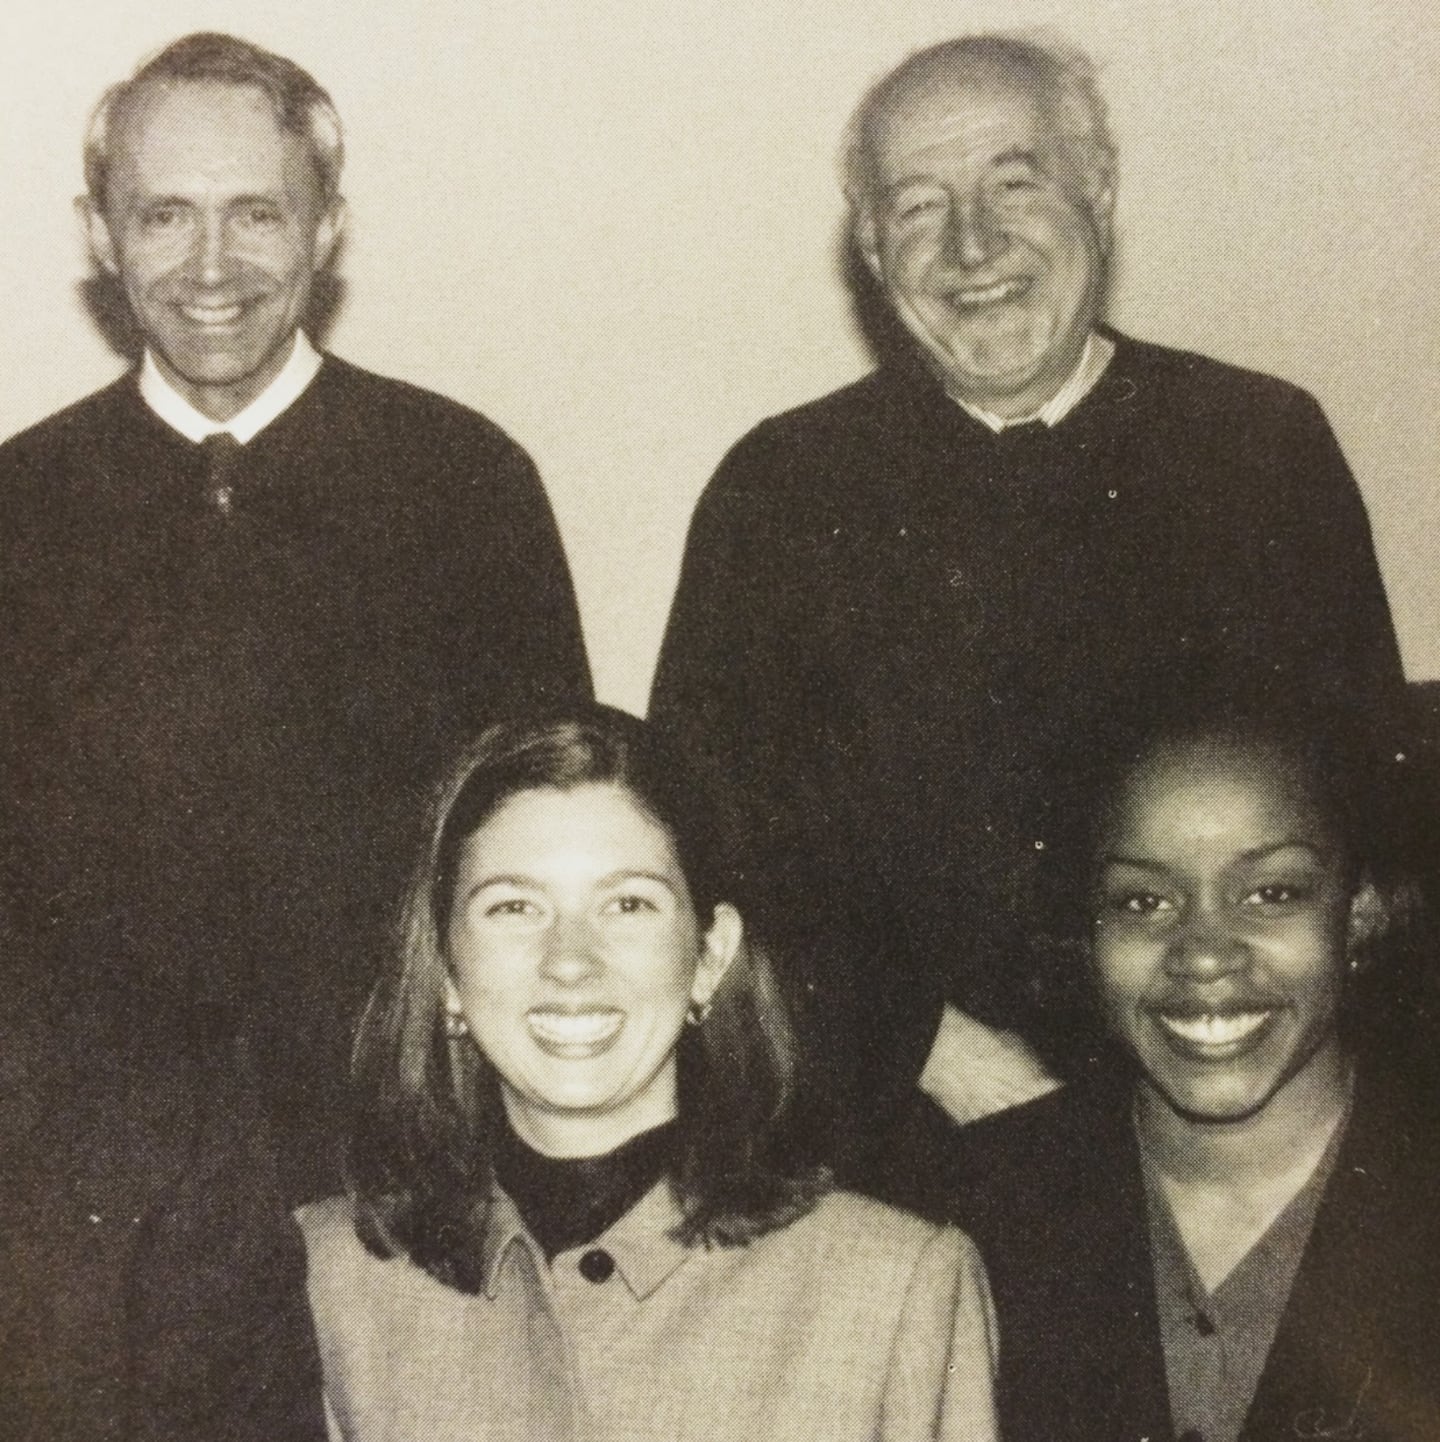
(252, 593)
(904, 605)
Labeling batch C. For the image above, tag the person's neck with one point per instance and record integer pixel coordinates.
(570, 1201)
(198, 413)
(1284, 1138)
(1048, 398)
(222, 403)
(562, 1134)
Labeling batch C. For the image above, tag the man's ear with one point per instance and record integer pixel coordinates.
(97, 234)
(867, 240)
(1367, 924)
(328, 230)
(719, 948)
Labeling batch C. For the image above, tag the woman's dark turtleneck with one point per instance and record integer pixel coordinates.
(566, 1202)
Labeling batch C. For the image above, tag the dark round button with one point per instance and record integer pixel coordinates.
(597, 1266)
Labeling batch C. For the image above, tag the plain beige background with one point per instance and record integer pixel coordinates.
(612, 227)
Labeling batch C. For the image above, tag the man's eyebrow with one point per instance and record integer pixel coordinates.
(1019, 155)
(910, 182)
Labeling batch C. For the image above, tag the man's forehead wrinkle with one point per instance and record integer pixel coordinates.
(945, 129)
(208, 151)
(199, 109)
(164, 89)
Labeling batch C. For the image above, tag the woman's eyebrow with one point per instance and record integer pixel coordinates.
(1259, 853)
(1139, 863)
(615, 878)
(504, 878)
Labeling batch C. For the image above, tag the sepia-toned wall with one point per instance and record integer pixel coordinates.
(613, 228)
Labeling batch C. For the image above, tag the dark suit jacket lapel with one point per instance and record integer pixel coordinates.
(1059, 1213)
(1114, 1277)
(1357, 1355)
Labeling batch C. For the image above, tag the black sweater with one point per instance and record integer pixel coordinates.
(220, 722)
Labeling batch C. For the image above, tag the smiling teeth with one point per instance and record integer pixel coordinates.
(1214, 1029)
(212, 315)
(1001, 290)
(565, 1028)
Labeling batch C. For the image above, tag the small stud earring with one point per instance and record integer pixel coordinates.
(455, 1026)
(696, 1013)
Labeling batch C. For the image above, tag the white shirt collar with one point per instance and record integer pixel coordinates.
(1099, 350)
(177, 412)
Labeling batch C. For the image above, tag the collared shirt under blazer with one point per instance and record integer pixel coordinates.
(854, 1322)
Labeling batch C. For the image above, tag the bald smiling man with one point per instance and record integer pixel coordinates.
(903, 606)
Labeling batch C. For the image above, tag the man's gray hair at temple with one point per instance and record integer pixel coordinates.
(1058, 75)
(301, 104)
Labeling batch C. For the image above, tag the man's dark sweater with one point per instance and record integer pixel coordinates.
(902, 633)
(221, 718)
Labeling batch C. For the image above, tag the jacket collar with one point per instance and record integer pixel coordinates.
(1360, 1300)
(1364, 1296)
(645, 1251)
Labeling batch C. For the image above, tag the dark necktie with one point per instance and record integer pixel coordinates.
(222, 456)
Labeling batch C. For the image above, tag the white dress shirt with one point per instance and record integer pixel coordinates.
(177, 412)
(1094, 358)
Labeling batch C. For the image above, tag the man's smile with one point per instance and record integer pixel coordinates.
(975, 297)
(214, 316)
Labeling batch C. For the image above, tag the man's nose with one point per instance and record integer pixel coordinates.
(212, 250)
(971, 235)
(572, 952)
(1206, 945)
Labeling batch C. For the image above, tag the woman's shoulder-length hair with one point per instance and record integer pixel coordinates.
(427, 1106)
